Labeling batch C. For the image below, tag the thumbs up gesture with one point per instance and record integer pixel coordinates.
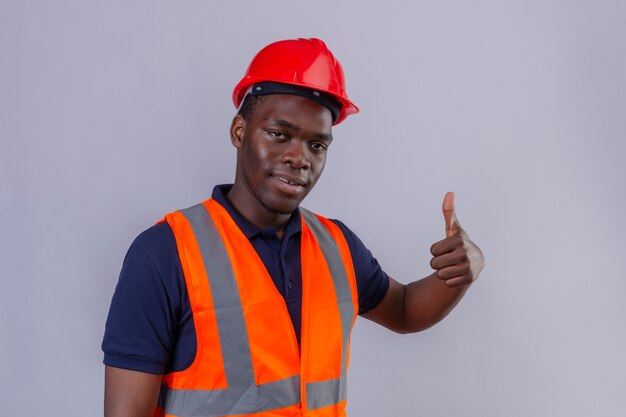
(457, 260)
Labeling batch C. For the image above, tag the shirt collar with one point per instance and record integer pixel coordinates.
(248, 229)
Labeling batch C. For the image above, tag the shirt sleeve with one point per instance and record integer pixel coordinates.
(372, 282)
(142, 324)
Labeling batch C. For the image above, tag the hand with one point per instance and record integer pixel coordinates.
(457, 260)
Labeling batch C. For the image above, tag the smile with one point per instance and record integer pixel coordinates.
(288, 181)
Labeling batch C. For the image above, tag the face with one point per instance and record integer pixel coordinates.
(281, 152)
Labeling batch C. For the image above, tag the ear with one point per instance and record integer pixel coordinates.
(237, 130)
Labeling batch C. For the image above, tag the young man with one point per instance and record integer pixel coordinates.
(244, 304)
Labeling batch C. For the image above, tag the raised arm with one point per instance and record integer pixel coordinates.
(457, 262)
(130, 393)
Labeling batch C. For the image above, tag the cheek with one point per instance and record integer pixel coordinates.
(255, 155)
(264, 154)
(319, 166)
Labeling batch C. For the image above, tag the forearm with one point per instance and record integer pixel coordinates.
(426, 302)
(416, 306)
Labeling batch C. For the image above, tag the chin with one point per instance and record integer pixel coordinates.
(282, 205)
(277, 202)
(282, 208)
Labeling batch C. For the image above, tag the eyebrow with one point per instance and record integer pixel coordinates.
(285, 123)
(296, 128)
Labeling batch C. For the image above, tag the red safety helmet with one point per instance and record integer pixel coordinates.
(301, 62)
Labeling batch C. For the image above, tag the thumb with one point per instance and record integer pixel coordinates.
(452, 223)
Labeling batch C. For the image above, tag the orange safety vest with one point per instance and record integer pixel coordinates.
(247, 356)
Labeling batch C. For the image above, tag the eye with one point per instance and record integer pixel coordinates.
(319, 146)
(277, 134)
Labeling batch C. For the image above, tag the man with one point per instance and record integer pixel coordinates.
(244, 304)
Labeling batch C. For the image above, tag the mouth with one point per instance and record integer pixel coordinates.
(288, 184)
(289, 180)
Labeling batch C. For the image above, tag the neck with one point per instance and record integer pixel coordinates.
(253, 211)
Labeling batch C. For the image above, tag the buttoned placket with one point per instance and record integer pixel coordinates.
(282, 254)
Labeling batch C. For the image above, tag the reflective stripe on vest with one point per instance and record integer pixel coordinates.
(243, 395)
(333, 391)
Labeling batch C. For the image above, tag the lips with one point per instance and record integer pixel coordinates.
(289, 185)
(289, 180)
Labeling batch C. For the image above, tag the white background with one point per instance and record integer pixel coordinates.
(113, 113)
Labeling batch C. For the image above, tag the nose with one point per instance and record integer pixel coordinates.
(296, 155)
